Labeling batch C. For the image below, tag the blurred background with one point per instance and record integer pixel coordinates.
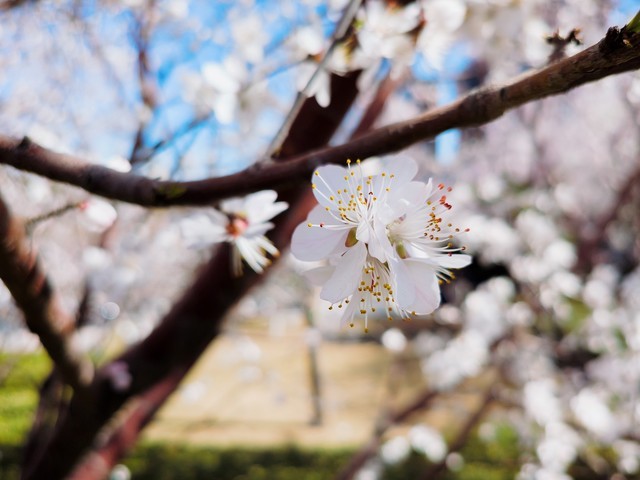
(530, 368)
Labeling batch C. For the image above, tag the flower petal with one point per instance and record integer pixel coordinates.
(317, 243)
(403, 168)
(320, 275)
(403, 283)
(262, 206)
(202, 230)
(346, 276)
(329, 179)
(427, 290)
(453, 261)
(257, 229)
(252, 254)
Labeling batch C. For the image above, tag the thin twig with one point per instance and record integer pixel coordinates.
(31, 223)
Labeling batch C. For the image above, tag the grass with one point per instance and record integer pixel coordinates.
(20, 376)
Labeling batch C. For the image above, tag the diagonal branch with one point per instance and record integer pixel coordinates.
(420, 403)
(21, 273)
(463, 435)
(618, 52)
(156, 365)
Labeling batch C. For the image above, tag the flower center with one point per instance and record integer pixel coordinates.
(237, 225)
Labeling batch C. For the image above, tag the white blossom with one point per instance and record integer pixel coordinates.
(428, 441)
(386, 237)
(395, 450)
(242, 222)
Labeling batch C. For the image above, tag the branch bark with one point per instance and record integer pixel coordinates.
(32, 292)
(618, 52)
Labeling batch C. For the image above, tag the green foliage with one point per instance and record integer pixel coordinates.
(21, 375)
(496, 459)
(634, 24)
(168, 462)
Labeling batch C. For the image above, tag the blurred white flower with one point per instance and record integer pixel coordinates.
(385, 32)
(558, 448)
(250, 37)
(314, 80)
(428, 441)
(394, 340)
(455, 462)
(463, 357)
(241, 222)
(97, 214)
(443, 18)
(594, 414)
(485, 308)
(629, 456)
(118, 163)
(226, 89)
(395, 450)
(540, 401)
(386, 237)
(120, 472)
(226, 81)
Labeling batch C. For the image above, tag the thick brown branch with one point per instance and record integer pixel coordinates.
(156, 365)
(31, 290)
(617, 52)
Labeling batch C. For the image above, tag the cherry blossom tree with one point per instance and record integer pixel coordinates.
(222, 131)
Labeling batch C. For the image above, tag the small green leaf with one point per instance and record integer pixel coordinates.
(634, 24)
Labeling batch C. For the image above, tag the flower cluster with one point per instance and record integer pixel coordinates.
(386, 239)
(241, 222)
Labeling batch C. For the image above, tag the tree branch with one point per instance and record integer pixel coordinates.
(463, 435)
(160, 361)
(31, 290)
(422, 401)
(618, 52)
